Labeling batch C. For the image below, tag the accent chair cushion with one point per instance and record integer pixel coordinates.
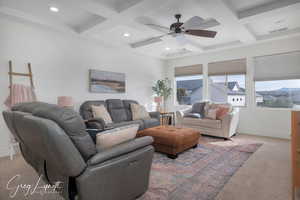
(115, 136)
(204, 122)
(211, 113)
(193, 115)
(101, 112)
(139, 112)
(221, 109)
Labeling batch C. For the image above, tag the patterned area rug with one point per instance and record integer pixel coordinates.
(197, 174)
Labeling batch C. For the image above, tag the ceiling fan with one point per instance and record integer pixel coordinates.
(195, 26)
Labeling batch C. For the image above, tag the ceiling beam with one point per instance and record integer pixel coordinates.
(127, 16)
(269, 10)
(224, 14)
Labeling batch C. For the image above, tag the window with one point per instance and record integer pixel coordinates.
(189, 89)
(228, 88)
(277, 80)
(227, 82)
(278, 93)
(189, 84)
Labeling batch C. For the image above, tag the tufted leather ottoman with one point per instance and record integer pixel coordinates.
(172, 140)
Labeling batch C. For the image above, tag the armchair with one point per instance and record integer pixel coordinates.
(54, 142)
(225, 127)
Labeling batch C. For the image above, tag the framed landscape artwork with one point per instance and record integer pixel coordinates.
(106, 82)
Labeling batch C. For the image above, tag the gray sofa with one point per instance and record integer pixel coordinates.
(120, 113)
(54, 142)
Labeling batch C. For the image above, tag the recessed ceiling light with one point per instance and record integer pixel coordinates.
(53, 9)
(167, 48)
(126, 34)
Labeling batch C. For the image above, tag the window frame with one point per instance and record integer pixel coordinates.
(246, 89)
(271, 108)
(176, 103)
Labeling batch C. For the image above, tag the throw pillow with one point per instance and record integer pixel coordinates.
(212, 113)
(193, 115)
(223, 110)
(139, 112)
(199, 107)
(110, 138)
(101, 112)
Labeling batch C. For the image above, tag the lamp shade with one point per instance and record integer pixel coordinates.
(65, 101)
(157, 99)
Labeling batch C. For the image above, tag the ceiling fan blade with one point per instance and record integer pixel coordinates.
(200, 23)
(193, 21)
(201, 33)
(148, 41)
(159, 28)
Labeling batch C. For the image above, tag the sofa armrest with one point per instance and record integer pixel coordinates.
(230, 123)
(180, 114)
(155, 115)
(96, 123)
(120, 150)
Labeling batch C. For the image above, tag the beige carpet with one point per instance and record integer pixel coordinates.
(265, 175)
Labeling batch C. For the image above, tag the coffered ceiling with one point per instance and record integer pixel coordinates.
(125, 23)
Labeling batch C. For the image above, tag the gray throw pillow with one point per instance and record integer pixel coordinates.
(199, 108)
(193, 115)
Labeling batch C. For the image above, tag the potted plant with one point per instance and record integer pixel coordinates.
(181, 93)
(162, 91)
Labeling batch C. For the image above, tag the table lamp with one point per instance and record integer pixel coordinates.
(65, 101)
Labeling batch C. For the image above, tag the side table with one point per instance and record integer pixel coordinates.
(167, 118)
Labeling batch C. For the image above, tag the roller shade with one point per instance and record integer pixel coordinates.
(277, 67)
(229, 67)
(188, 70)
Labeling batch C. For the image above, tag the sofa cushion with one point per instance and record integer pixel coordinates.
(139, 112)
(120, 124)
(116, 110)
(101, 112)
(207, 123)
(128, 108)
(86, 109)
(193, 115)
(152, 122)
(115, 136)
(199, 108)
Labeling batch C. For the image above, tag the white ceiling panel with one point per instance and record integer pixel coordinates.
(242, 5)
(240, 21)
(68, 14)
(283, 22)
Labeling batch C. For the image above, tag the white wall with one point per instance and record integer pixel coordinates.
(60, 65)
(253, 120)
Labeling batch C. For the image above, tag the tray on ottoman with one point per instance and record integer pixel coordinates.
(172, 140)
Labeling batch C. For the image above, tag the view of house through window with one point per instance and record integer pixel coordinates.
(278, 93)
(189, 89)
(228, 88)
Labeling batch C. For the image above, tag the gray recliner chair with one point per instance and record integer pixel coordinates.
(54, 142)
